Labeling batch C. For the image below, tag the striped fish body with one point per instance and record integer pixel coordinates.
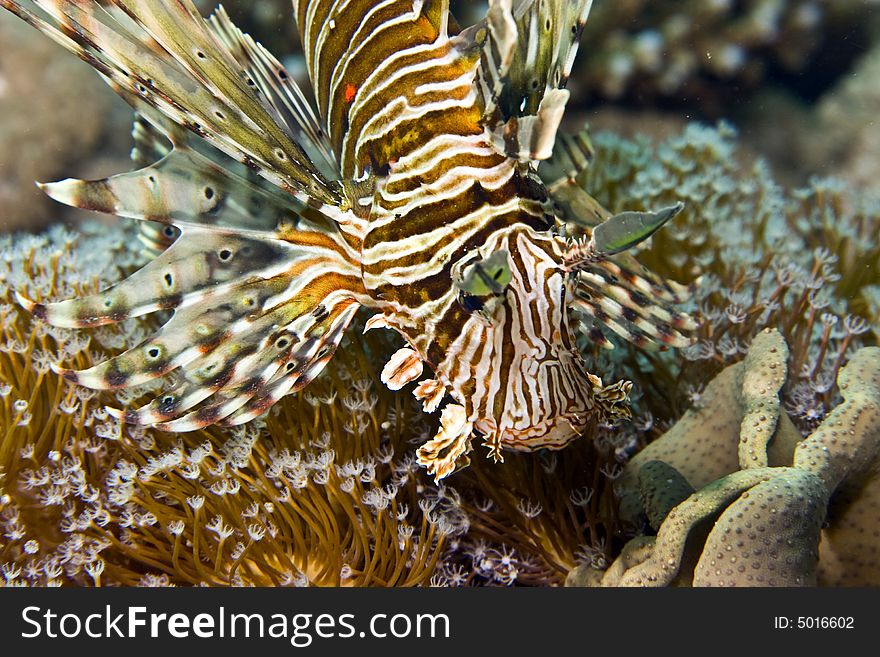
(403, 108)
(418, 196)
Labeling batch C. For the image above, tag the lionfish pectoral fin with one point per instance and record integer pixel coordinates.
(639, 308)
(252, 366)
(169, 57)
(279, 91)
(430, 392)
(151, 142)
(198, 268)
(254, 319)
(404, 366)
(448, 450)
(187, 187)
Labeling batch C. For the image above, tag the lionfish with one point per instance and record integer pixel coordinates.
(417, 194)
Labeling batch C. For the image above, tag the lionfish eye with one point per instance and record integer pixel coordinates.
(469, 302)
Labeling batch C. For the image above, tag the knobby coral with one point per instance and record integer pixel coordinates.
(803, 262)
(759, 522)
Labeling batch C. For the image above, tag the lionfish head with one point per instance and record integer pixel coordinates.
(531, 387)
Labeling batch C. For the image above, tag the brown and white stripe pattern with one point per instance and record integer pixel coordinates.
(423, 165)
(413, 115)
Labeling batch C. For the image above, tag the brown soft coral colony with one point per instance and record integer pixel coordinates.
(321, 492)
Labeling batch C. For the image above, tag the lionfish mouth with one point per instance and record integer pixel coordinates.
(553, 433)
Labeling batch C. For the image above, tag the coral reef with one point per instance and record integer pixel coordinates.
(761, 522)
(737, 418)
(37, 78)
(803, 261)
(713, 53)
(325, 490)
(87, 500)
(317, 491)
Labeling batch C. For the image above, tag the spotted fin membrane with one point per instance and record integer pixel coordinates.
(260, 280)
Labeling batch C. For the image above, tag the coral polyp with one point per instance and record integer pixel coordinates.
(89, 500)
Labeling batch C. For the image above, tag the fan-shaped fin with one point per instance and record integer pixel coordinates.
(253, 319)
(168, 56)
(191, 332)
(296, 373)
(279, 91)
(636, 308)
(288, 343)
(150, 146)
(196, 268)
(185, 187)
